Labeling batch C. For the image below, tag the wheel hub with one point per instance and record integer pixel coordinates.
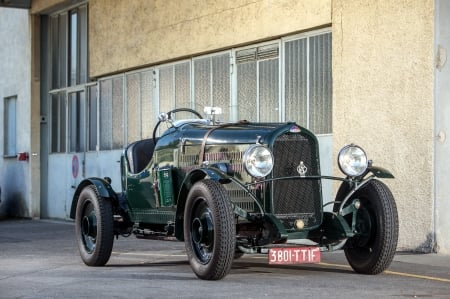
(85, 225)
(197, 231)
(202, 230)
(364, 227)
(89, 225)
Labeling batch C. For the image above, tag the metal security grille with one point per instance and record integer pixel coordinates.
(308, 82)
(211, 83)
(296, 199)
(258, 86)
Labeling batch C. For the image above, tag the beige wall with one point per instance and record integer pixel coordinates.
(43, 6)
(126, 37)
(383, 99)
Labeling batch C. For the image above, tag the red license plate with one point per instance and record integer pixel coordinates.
(294, 255)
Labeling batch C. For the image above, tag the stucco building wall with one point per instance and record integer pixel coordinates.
(15, 66)
(150, 32)
(383, 99)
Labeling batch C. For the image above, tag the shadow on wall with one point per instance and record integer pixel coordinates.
(13, 202)
(13, 206)
(427, 246)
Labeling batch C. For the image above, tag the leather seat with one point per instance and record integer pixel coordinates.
(139, 154)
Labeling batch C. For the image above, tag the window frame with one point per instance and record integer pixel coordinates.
(10, 126)
(64, 53)
(258, 60)
(212, 99)
(299, 36)
(170, 83)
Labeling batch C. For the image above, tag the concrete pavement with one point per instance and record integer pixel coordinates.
(39, 259)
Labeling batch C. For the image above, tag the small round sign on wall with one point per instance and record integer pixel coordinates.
(75, 166)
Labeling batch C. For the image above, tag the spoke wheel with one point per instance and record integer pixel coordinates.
(371, 251)
(94, 227)
(209, 230)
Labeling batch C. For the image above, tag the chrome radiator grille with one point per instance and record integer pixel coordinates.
(233, 158)
(296, 199)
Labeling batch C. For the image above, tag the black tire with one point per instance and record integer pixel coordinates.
(209, 230)
(372, 251)
(94, 227)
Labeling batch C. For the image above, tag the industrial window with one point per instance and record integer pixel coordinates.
(77, 122)
(175, 87)
(69, 48)
(308, 82)
(122, 122)
(92, 118)
(58, 122)
(139, 102)
(288, 79)
(211, 83)
(9, 125)
(129, 103)
(68, 44)
(306, 76)
(111, 113)
(258, 83)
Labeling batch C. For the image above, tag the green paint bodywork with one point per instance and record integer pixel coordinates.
(158, 193)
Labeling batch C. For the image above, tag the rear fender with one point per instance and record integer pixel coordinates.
(103, 187)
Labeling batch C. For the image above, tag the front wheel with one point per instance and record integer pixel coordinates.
(94, 227)
(209, 230)
(371, 251)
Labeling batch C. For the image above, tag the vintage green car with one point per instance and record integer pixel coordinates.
(226, 189)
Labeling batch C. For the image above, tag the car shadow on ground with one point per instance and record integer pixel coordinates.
(241, 266)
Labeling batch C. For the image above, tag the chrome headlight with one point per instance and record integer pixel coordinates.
(258, 161)
(352, 160)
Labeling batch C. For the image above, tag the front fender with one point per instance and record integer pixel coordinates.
(380, 172)
(211, 172)
(103, 187)
(191, 178)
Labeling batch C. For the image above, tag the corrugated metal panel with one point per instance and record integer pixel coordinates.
(320, 107)
(183, 87)
(202, 83)
(117, 113)
(308, 90)
(133, 107)
(147, 111)
(221, 84)
(166, 91)
(268, 90)
(247, 90)
(296, 93)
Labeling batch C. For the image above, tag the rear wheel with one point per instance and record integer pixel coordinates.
(94, 227)
(209, 230)
(371, 251)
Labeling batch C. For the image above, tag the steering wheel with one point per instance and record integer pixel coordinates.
(167, 116)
